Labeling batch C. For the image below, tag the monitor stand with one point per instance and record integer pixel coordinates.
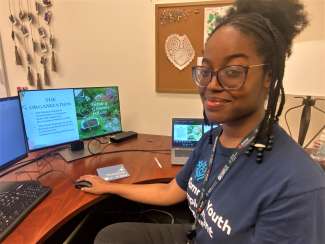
(79, 149)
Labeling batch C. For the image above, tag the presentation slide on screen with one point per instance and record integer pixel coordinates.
(50, 117)
(55, 117)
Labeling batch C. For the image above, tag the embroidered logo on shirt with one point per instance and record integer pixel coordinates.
(200, 169)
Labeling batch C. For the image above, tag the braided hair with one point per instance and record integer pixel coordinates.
(273, 24)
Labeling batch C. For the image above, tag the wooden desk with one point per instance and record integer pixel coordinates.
(64, 202)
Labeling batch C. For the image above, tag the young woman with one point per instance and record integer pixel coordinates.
(247, 182)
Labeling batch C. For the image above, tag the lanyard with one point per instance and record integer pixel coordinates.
(206, 191)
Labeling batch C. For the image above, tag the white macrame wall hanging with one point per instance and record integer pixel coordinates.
(179, 50)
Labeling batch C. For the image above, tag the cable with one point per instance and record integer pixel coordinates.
(13, 169)
(100, 142)
(124, 150)
(313, 138)
(320, 110)
(55, 170)
(30, 161)
(51, 170)
(37, 171)
(310, 103)
(49, 153)
(138, 214)
(158, 151)
(285, 117)
(172, 221)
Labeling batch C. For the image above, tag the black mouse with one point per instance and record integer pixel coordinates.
(82, 183)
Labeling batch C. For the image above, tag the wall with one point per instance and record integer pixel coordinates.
(3, 78)
(109, 42)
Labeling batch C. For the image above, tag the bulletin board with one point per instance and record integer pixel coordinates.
(181, 30)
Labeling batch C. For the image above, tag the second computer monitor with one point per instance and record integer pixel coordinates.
(58, 116)
(13, 146)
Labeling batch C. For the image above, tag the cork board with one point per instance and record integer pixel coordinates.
(183, 24)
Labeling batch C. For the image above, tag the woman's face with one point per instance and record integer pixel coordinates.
(228, 46)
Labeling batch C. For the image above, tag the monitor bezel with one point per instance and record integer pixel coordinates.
(68, 142)
(20, 157)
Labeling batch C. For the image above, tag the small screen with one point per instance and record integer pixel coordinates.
(13, 145)
(187, 132)
(54, 117)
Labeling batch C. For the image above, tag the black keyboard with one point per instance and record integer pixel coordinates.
(17, 199)
(182, 153)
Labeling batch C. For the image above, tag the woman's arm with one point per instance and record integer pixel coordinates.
(155, 194)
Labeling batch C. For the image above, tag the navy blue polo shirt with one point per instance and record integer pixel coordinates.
(279, 201)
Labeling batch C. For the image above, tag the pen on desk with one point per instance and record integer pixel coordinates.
(158, 163)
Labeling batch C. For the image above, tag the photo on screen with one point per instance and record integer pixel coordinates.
(185, 132)
(98, 111)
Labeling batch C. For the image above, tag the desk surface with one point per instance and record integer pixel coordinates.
(64, 202)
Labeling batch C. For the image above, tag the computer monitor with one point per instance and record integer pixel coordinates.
(13, 146)
(186, 132)
(59, 116)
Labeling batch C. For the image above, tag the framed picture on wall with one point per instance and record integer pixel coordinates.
(4, 87)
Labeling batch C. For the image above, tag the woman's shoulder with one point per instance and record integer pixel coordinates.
(291, 164)
(285, 148)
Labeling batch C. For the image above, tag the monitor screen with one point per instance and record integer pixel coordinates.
(186, 132)
(13, 145)
(59, 116)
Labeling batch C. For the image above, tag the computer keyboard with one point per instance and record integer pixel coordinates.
(182, 153)
(17, 199)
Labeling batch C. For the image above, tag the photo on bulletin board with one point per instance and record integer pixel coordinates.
(181, 31)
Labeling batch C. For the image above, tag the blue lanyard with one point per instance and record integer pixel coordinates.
(206, 191)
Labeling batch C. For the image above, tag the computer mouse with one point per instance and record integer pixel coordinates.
(82, 183)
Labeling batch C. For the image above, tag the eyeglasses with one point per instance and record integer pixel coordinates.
(230, 77)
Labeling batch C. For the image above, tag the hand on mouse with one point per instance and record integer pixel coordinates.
(99, 186)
